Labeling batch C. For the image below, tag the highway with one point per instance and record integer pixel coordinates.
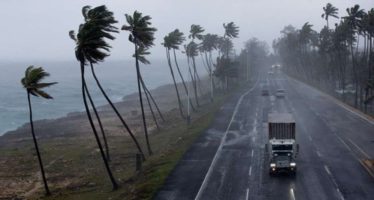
(228, 161)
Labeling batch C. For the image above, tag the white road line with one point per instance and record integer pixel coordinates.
(208, 174)
(327, 170)
(247, 194)
(362, 151)
(340, 194)
(252, 153)
(292, 194)
(310, 138)
(318, 153)
(345, 144)
(250, 171)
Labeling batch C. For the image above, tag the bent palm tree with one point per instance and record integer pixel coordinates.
(32, 83)
(209, 43)
(168, 44)
(141, 35)
(90, 44)
(329, 11)
(177, 40)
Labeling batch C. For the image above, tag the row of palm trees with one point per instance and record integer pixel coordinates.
(339, 59)
(91, 48)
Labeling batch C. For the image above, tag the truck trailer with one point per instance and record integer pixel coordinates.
(281, 146)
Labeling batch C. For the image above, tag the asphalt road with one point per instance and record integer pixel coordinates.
(228, 161)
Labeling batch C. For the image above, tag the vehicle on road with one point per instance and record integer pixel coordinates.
(281, 147)
(280, 93)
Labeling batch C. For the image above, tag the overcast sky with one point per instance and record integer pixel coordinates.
(37, 30)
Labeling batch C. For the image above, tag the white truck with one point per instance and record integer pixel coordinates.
(281, 147)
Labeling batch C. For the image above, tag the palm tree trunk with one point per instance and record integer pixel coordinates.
(141, 100)
(47, 192)
(117, 112)
(175, 84)
(180, 74)
(100, 125)
(152, 99)
(149, 104)
(111, 177)
(196, 75)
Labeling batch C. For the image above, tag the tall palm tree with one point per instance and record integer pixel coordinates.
(195, 33)
(353, 19)
(142, 53)
(169, 44)
(329, 11)
(231, 31)
(90, 47)
(209, 43)
(177, 38)
(32, 83)
(141, 35)
(192, 52)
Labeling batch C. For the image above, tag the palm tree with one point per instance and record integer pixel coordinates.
(209, 43)
(90, 44)
(142, 35)
(196, 32)
(169, 44)
(231, 31)
(142, 53)
(192, 52)
(353, 19)
(329, 11)
(32, 83)
(177, 38)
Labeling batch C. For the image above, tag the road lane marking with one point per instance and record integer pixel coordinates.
(250, 171)
(247, 194)
(327, 170)
(292, 194)
(362, 151)
(252, 153)
(318, 153)
(340, 194)
(208, 174)
(310, 138)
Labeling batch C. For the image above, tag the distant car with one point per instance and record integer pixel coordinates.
(265, 92)
(280, 93)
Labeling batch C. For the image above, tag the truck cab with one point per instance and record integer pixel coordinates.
(281, 148)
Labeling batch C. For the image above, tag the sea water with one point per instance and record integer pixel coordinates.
(117, 77)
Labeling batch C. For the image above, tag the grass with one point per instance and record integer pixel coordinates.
(76, 170)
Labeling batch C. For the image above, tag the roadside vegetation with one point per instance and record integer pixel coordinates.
(338, 59)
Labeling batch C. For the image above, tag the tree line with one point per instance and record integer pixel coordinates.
(338, 59)
(92, 47)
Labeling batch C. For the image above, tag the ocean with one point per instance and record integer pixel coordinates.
(117, 77)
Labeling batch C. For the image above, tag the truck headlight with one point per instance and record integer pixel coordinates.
(293, 164)
(272, 165)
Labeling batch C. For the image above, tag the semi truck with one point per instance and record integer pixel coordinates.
(281, 148)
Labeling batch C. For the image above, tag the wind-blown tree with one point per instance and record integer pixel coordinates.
(90, 47)
(329, 11)
(142, 53)
(169, 43)
(191, 52)
(196, 33)
(355, 14)
(141, 35)
(33, 85)
(231, 31)
(177, 38)
(226, 46)
(209, 43)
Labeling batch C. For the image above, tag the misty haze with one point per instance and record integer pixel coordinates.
(187, 100)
